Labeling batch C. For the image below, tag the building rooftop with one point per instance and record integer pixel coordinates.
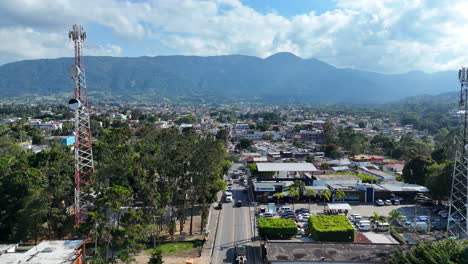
(289, 252)
(270, 166)
(336, 177)
(48, 251)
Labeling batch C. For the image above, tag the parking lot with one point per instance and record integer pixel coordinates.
(364, 210)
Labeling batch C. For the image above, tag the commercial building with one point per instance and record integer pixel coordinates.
(48, 251)
(282, 252)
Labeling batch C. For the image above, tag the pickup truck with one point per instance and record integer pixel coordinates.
(241, 254)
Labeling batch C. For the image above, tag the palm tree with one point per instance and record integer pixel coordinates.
(310, 193)
(339, 194)
(326, 197)
(278, 197)
(377, 218)
(294, 193)
(394, 216)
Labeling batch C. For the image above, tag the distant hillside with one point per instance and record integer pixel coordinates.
(280, 78)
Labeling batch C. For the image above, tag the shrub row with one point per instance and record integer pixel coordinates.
(276, 227)
(397, 235)
(334, 228)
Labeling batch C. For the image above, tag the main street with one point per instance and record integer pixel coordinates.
(234, 228)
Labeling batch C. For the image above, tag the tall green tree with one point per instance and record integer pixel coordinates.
(415, 171)
(438, 180)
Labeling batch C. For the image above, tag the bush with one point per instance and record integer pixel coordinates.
(276, 227)
(334, 228)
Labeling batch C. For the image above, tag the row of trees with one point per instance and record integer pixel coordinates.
(171, 177)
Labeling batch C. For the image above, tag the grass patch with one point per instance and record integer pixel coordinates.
(177, 247)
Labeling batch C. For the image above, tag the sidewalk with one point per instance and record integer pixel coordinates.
(212, 226)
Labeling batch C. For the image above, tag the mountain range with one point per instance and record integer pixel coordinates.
(280, 78)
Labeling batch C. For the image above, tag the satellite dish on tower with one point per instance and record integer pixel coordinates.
(74, 104)
(74, 71)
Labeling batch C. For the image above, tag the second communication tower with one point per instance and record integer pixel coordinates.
(457, 222)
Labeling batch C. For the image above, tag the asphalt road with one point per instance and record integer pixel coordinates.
(234, 228)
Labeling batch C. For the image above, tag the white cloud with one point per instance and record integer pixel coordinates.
(384, 35)
(26, 43)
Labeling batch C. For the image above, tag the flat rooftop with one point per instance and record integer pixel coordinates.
(271, 166)
(337, 177)
(48, 251)
(291, 251)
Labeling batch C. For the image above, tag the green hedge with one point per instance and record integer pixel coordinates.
(397, 236)
(276, 227)
(334, 228)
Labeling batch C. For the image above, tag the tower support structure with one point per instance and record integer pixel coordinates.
(84, 163)
(457, 222)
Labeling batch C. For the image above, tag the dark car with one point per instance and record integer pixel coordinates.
(239, 203)
(302, 210)
(289, 217)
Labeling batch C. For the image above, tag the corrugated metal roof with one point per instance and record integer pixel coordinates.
(270, 166)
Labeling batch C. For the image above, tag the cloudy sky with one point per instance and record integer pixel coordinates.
(389, 36)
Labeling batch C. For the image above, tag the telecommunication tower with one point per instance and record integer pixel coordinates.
(84, 163)
(457, 223)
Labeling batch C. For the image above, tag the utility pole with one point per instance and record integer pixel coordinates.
(84, 163)
(457, 223)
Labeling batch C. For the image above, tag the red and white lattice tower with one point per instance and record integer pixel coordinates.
(84, 164)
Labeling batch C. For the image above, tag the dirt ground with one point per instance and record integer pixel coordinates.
(143, 256)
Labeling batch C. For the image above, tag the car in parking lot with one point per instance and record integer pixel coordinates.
(285, 212)
(354, 218)
(364, 225)
(229, 188)
(302, 218)
(422, 218)
(444, 214)
(289, 217)
(302, 210)
(266, 215)
(388, 202)
(379, 202)
(395, 202)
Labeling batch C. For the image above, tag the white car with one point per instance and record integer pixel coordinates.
(388, 202)
(379, 202)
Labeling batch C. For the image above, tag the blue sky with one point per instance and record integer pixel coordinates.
(389, 36)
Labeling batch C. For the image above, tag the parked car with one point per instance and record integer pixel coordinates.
(381, 226)
(379, 202)
(388, 202)
(302, 210)
(289, 217)
(288, 213)
(422, 218)
(239, 203)
(266, 215)
(229, 188)
(428, 203)
(284, 212)
(302, 218)
(364, 225)
(395, 202)
(355, 218)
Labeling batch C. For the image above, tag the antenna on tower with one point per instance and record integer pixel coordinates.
(457, 222)
(84, 163)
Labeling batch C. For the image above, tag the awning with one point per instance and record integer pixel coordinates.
(338, 206)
